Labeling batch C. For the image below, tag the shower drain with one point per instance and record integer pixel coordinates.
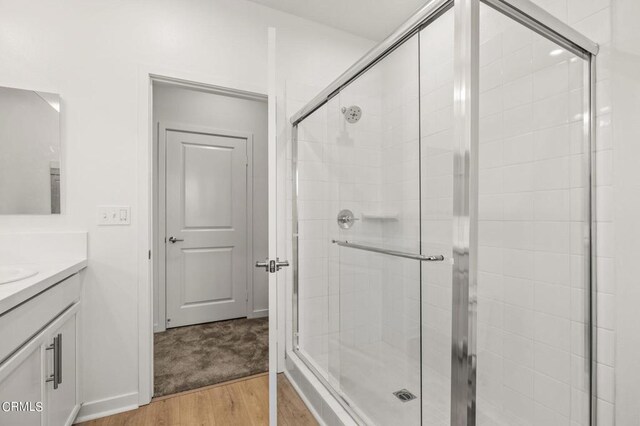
(404, 395)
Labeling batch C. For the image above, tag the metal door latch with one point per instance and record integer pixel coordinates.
(279, 264)
(272, 266)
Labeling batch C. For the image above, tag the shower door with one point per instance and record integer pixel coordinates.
(436, 214)
(442, 221)
(373, 184)
(374, 307)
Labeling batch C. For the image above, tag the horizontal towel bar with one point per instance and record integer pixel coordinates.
(437, 258)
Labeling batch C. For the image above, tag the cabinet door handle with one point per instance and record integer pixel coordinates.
(56, 347)
(59, 359)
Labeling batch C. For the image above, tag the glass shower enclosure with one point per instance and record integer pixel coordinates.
(442, 214)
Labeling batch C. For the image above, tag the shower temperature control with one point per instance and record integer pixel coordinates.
(346, 219)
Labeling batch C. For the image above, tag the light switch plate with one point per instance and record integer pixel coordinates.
(114, 215)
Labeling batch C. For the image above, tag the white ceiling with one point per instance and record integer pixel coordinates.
(372, 19)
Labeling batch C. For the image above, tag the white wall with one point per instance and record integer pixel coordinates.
(173, 104)
(625, 98)
(92, 54)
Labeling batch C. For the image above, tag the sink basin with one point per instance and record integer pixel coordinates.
(9, 274)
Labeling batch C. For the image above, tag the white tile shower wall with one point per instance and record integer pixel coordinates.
(400, 195)
(371, 168)
(531, 303)
(355, 177)
(593, 18)
(338, 168)
(436, 101)
(356, 162)
(313, 291)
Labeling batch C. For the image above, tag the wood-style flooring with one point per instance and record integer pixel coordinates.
(241, 402)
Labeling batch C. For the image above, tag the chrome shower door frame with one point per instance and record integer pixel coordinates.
(465, 180)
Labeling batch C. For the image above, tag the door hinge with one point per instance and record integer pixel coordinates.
(149, 254)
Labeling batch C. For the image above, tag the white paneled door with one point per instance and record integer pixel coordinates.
(206, 226)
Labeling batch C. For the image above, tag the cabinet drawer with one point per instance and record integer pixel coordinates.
(23, 322)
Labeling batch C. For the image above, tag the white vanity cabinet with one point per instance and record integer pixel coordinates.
(41, 372)
(61, 400)
(21, 380)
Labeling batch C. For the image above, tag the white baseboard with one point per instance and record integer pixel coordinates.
(72, 417)
(158, 328)
(260, 313)
(108, 406)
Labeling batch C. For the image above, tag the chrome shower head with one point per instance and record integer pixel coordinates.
(352, 114)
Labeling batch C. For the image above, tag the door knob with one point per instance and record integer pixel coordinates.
(272, 265)
(173, 240)
(264, 265)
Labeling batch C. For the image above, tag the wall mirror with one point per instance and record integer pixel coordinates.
(29, 152)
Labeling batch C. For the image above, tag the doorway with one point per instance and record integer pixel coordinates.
(210, 168)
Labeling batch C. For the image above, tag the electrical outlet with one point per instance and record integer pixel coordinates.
(114, 215)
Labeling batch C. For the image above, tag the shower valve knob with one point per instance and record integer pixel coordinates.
(346, 218)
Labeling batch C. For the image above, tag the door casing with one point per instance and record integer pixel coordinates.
(147, 201)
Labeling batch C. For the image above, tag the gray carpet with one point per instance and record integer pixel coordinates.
(205, 354)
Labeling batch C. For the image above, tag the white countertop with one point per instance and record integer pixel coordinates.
(49, 273)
